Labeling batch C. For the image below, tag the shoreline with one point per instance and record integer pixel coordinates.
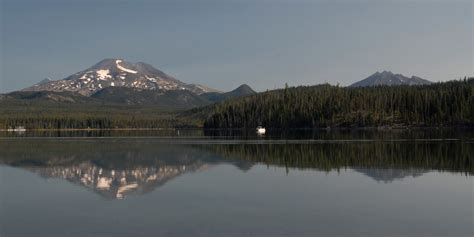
(381, 128)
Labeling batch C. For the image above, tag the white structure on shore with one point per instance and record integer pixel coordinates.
(17, 129)
(261, 130)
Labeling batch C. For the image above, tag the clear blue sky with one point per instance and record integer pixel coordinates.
(223, 44)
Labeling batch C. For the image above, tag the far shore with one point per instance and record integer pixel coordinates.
(381, 128)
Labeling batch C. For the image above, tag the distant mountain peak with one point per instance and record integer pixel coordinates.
(243, 86)
(119, 73)
(388, 78)
(242, 90)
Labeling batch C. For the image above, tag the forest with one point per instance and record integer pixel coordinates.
(93, 116)
(440, 104)
(322, 106)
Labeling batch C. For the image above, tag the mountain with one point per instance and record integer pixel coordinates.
(116, 81)
(387, 78)
(240, 91)
(118, 73)
(243, 90)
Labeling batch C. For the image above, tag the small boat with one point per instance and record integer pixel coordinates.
(261, 130)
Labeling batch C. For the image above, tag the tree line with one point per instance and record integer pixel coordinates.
(79, 116)
(440, 104)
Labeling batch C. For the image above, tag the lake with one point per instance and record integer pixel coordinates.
(214, 183)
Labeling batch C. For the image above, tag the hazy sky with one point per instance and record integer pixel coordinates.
(223, 44)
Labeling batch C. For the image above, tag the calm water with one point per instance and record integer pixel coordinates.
(360, 184)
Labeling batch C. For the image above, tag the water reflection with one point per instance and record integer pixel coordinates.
(116, 183)
(113, 169)
(454, 156)
(389, 175)
(120, 167)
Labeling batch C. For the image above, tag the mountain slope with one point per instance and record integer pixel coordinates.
(117, 73)
(387, 78)
(177, 99)
(126, 96)
(46, 96)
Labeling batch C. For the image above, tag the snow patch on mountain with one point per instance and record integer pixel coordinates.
(103, 74)
(150, 78)
(122, 68)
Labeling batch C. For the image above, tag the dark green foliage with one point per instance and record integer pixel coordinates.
(61, 115)
(441, 104)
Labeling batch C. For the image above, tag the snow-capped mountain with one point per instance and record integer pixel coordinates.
(118, 73)
(387, 78)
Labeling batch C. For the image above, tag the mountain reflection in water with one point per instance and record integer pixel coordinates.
(117, 168)
(115, 184)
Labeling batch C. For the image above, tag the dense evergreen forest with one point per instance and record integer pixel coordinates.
(47, 115)
(441, 104)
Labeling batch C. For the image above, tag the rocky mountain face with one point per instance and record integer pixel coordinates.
(118, 73)
(387, 78)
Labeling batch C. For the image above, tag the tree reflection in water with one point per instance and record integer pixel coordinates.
(116, 168)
